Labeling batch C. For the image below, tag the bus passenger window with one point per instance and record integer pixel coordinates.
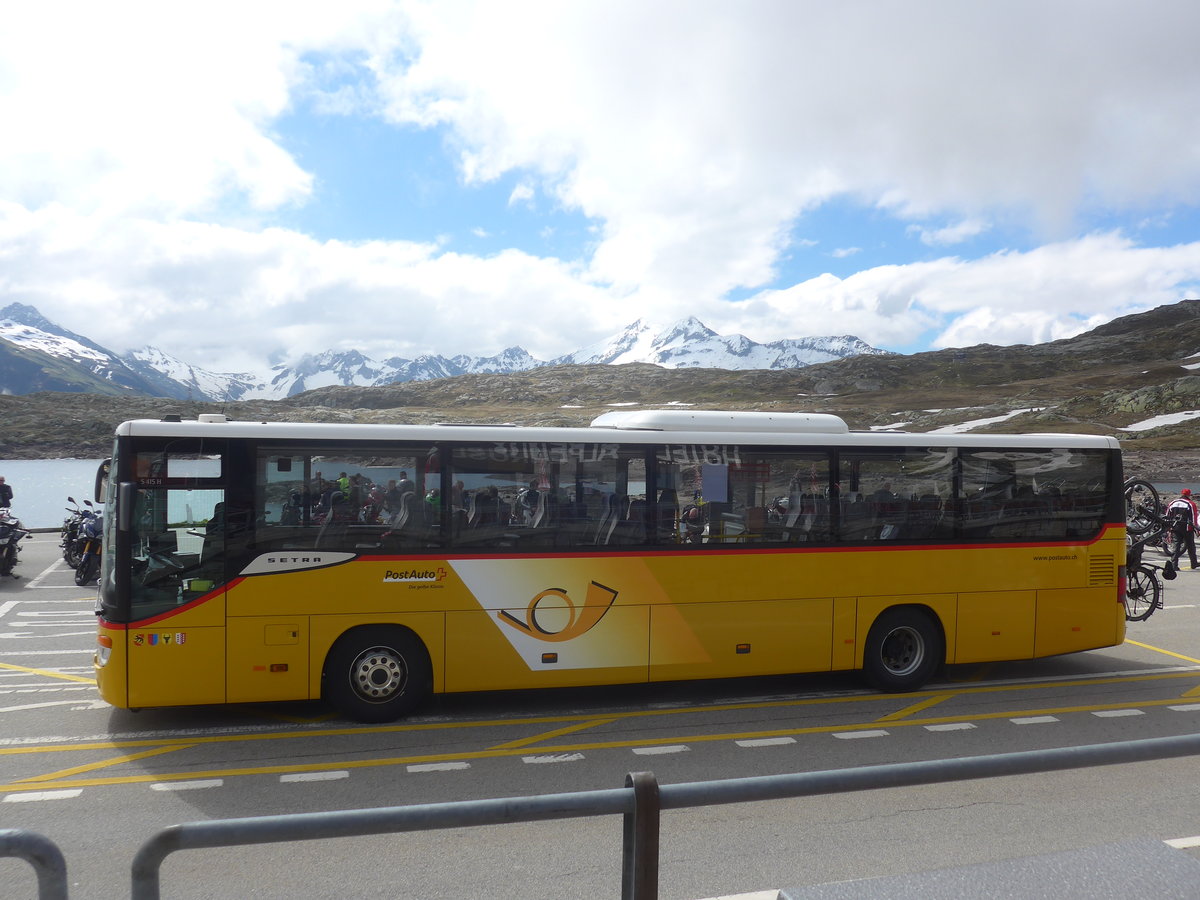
(901, 494)
(351, 499)
(535, 496)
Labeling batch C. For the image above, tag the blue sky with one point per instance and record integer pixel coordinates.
(399, 178)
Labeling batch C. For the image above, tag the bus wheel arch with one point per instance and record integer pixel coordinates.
(377, 673)
(905, 646)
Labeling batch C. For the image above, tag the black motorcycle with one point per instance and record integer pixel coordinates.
(11, 535)
(69, 534)
(89, 550)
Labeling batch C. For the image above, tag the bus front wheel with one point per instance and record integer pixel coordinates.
(904, 648)
(377, 674)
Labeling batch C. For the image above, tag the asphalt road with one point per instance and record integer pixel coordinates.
(99, 782)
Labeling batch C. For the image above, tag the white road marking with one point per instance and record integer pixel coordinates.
(313, 776)
(852, 735)
(31, 634)
(47, 613)
(187, 785)
(1116, 713)
(766, 742)
(658, 751)
(1183, 843)
(41, 686)
(439, 767)
(553, 758)
(37, 579)
(4, 709)
(1186, 707)
(951, 726)
(1033, 720)
(34, 796)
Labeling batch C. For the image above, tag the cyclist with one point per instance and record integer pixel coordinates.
(1185, 516)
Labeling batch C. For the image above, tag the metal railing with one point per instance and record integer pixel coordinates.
(41, 853)
(640, 802)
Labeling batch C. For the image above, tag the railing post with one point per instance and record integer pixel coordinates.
(41, 853)
(639, 861)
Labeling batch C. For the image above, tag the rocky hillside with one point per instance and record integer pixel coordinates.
(1119, 375)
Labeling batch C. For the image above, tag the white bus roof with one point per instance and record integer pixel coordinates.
(712, 421)
(633, 427)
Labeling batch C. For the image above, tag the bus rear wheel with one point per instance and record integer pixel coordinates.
(904, 649)
(377, 674)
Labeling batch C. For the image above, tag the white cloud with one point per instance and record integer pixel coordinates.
(951, 234)
(1053, 292)
(696, 132)
(140, 166)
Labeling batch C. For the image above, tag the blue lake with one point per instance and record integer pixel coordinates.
(41, 487)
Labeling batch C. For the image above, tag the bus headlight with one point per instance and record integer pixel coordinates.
(103, 649)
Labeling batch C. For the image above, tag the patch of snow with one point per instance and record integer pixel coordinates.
(1159, 421)
(971, 425)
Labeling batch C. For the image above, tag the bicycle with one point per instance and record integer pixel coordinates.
(1142, 506)
(1144, 524)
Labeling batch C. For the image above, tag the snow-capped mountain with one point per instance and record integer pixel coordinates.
(36, 354)
(690, 343)
(172, 374)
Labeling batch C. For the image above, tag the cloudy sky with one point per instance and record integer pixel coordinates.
(238, 182)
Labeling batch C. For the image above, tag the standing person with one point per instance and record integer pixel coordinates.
(6, 493)
(1185, 516)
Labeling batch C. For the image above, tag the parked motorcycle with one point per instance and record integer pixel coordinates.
(89, 550)
(69, 535)
(11, 535)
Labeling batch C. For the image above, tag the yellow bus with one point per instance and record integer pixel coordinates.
(374, 565)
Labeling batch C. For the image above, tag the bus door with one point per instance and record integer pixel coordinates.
(176, 632)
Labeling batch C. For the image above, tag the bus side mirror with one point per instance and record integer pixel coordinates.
(101, 481)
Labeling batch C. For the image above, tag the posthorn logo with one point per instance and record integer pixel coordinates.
(553, 616)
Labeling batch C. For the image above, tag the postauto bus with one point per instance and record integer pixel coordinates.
(373, 565)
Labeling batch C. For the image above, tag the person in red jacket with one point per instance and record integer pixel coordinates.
(1185, 517)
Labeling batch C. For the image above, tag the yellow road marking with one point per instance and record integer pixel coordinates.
(29, 784)
(538, 738)
(917, 707)
(103, 764)
(48, 674)
(552, 720)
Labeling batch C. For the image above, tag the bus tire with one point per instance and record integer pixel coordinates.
(377, 673)
(904, 648)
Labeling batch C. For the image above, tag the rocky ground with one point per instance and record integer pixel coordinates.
(1182, 466)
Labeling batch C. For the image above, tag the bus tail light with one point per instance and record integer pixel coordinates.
(1121, 585)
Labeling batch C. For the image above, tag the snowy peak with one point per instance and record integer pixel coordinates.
(26, 327)
(39, 355)
(174, 374)
(691, 343)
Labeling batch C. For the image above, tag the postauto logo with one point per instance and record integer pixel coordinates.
(553, 616)
(414, 575)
